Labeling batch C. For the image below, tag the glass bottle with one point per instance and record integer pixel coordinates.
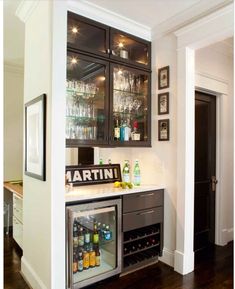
(126, 172)
(136, 174)
(75, 234)
(127, 130)
(116, 130)
(135, 135)
(95, 234)
(87, 237)
(81, 237)
(92, 257)
(75, 262)
(97, 257)
(122, 131)
(80, 261)
(86, 261)
(107, 234)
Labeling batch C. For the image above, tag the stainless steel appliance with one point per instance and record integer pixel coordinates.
(94, 242)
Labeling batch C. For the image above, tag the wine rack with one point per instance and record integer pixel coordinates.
(140, 246)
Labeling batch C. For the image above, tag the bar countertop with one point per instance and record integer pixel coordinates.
(90, 192)
(14, 187)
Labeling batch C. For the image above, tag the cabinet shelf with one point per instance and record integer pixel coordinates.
(141, 250)
(131, 93)
(142, 237)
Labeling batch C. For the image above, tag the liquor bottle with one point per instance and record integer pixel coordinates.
(122, 132)
(80, 261)
(75, 234)
(107, 234)
(136, 174)
(87, 237)
(101, 162)
(126, 172)
(127, 130)
(99, 230)
(116, 130)
(81, 237)
(86, 260)
(97, 257)
(95, 234)
(75, 262)
(92, 257)
(135, 135)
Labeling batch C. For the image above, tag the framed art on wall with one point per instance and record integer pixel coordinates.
(163, 103)
(35, 138)
(164, 77)
(163, 129)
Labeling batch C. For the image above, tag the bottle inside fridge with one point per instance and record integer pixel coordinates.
(94, 242)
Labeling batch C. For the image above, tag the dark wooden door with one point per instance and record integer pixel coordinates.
(205, 156)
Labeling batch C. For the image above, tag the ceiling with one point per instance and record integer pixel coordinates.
(153, 13)
(159, 15)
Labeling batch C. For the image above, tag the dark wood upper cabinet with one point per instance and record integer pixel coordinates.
(129, 49)
(87, 35)
(108, 98)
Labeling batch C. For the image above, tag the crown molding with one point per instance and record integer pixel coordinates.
(109, 18)
(188, 16)
(228, 10)
(25, 9)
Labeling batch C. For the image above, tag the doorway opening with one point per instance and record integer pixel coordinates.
(205, 174)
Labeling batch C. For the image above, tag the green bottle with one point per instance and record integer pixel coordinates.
(126, 172)
(136, 174)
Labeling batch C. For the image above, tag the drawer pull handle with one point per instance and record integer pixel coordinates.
(145, 213)
(146, 195)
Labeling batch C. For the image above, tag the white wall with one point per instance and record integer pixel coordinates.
(13, 122)
(216, 62)
(36, 260)
(158, 163)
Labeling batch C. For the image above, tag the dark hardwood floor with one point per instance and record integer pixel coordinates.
(213, 271)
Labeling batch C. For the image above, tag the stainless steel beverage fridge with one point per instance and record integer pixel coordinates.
(94, 242)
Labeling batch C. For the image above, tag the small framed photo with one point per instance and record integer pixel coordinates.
(163, 103)
(164, 77)
(163, 129)
(35, 138)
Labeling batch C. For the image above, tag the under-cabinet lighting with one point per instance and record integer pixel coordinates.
(102, 78)
(119, 71)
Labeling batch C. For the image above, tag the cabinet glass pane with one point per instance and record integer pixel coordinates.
(85, 101)
(94, 243)
(86, 36)
(130, 107)
(129, 49)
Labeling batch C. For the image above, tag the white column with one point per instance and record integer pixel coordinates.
(184, 255)
(58, 98)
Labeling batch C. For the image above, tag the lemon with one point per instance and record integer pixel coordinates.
(117, 185)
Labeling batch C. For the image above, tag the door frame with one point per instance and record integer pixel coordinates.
(219, 26)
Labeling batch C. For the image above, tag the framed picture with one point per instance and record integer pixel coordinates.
(163, 103)
(164, 77)
(35, 138)
(163, 129)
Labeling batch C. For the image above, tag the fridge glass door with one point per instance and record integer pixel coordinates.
(93, 243)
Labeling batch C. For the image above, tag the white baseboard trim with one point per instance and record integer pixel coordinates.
(183, 264)
(30, 276)
(229, 235)
(168, 257)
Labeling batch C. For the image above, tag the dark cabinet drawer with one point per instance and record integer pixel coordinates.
(141, 201)
(141, 219)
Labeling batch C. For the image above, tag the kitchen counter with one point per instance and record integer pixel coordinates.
(15, 188)
(90, 192)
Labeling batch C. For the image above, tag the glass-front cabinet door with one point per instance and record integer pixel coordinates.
(130, 49)
(86, 100)
(87, 35)
(130, 106)
(94, 242)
